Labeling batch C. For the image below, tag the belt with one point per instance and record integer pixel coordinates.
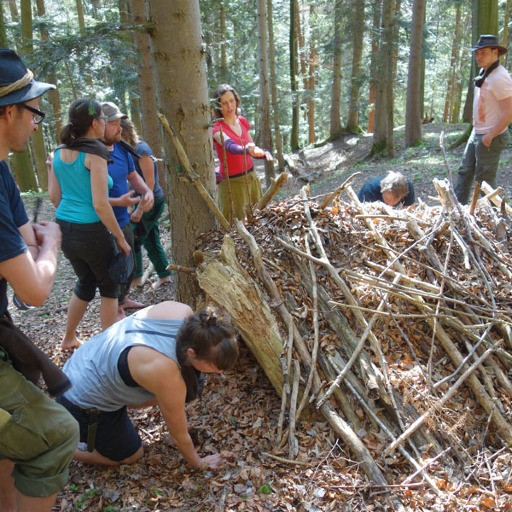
(231, 176)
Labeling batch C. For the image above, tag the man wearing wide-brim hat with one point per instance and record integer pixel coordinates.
(492, 113)
(38, 437)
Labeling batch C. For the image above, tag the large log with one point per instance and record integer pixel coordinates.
(231, 287)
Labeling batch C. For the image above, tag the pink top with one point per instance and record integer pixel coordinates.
(237, 164)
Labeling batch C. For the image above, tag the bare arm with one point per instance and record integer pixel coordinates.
(504, 120)
(140, 186)
(148, 170)
(32, 278)
(54, 190)
(161, 376)
(99, 185)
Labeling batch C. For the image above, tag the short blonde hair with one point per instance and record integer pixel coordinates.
(396, 183)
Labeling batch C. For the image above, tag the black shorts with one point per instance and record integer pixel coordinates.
(116, 436)
(90, 248)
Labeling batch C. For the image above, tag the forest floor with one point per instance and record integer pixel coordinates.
(239, 410)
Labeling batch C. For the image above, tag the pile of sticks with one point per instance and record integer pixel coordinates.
(394, 325)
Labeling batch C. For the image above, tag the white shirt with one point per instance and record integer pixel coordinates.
(486, 109)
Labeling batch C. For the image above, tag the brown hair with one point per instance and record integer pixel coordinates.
(222, 89)
(211, 338)
(129, 132)
(81, 114)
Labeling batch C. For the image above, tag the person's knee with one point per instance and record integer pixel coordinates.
(85, 291)
(133, 458)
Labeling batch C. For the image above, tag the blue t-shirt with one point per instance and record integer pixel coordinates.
(121, 166)
(370, 192)
(143, 149)
(12, 217)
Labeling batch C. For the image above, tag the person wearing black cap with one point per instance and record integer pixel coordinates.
(492, 113)
(37, 435)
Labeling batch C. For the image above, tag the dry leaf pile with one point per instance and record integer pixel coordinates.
(396, 330)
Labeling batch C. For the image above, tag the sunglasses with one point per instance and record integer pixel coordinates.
(37, 115)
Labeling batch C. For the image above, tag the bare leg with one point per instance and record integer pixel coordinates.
(12, 501)
(30, 504)
(96, 458)
(7, 490)
(108, 312)
(76, 311)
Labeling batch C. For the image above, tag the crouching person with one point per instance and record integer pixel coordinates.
(154, 357)
(37, 436)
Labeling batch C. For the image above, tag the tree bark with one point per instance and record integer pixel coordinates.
(294, 70)
(374, 67)
(335, 129)
(454, 63)
(151, 131)
(355, 78)
(414, 97)
(383, 140)
(53, 94)
(3, 33)
(264, 97)
(183, 91)
(273, 87)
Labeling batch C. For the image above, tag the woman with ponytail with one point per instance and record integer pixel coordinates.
(154, 357)
(78, 184)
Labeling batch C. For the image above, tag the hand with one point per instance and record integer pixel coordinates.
(49, 160)
(211, 461)
(127, 199)
(47, 232)
(268, 156)
(124, 246)
(149, 201)
(487, 140)
(136, 215)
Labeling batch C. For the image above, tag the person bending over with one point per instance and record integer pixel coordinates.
(394, 190)
(154, 357)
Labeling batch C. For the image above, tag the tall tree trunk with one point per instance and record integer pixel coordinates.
(308, 77)
(264, 98)
(454, 62)
(13, 8)
(374, 63)
(335, 129)
(3, 32)
(504, 37)
(273, 87)
(383, 140)
(24, 165)
(355, 77)
(294, 69)
(311, 74)
(80, 15)
(53, 94)
(223, 71)
(414, 99)
(151, 130)
(181, 71)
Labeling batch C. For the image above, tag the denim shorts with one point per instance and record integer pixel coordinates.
(116, 436)
(40, 436)
(90, 248)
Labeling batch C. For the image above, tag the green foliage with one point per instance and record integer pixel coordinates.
(265, 489)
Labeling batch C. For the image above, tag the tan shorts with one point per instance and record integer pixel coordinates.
(40, 436)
